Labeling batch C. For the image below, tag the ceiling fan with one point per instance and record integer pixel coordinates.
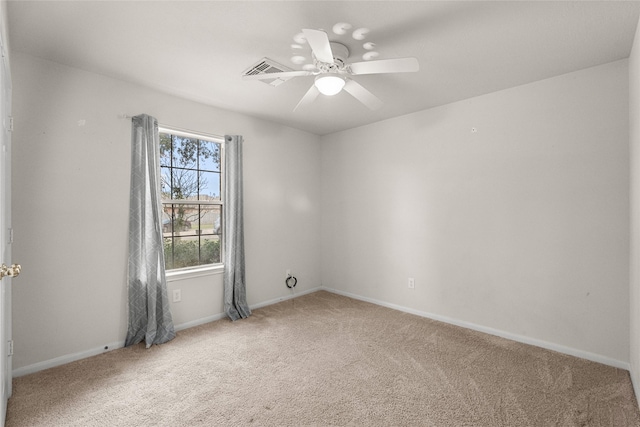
(333, 73)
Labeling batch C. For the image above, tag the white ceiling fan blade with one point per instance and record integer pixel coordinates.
(284, 74)
(363, 95)
(308, 97)
(320, 45)
(399, 65)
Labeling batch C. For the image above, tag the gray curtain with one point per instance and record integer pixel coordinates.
(149, 316)
(235, 294)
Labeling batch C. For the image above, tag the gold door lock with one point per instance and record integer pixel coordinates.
(12, 271)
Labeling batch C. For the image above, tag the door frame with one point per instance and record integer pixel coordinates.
(6, 233)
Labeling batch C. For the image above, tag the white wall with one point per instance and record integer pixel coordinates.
(71, 194)
(521, 227)
(634, 144)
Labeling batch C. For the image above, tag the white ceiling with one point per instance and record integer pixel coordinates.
(198, 50)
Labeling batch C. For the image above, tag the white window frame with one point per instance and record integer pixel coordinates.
(207, 269)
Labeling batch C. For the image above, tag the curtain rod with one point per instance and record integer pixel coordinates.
(178, 129)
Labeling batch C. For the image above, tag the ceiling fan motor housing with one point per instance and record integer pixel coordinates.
(340, 53)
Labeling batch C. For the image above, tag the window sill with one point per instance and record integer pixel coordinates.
(194, 272)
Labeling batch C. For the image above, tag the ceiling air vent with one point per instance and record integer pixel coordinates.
(267, 66)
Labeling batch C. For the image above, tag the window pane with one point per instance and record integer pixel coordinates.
(210, 250)
(168, 254)
(167, 223)
(185, 152)
(165, 180)
(179, 220)
(209, 156)
(209, 220)
(165, 149)
(185, 184)
(185, 219)
(186, 252)
(209, 186)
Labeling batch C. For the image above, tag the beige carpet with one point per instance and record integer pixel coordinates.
(327, 360)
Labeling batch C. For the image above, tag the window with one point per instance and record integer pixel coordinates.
(191, 174)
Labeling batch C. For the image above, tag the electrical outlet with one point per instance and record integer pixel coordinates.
(412, 283)
(177, 295)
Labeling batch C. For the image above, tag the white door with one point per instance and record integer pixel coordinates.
(6, 235)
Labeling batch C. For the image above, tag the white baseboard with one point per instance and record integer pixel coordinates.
(63, 360)
(68, 358)
(634, 382)
(508, 335)
(294, 294)
(198, 322)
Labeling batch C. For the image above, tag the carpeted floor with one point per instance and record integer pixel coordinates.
(327, 360)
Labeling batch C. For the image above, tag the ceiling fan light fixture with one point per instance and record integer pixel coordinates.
(329, 84)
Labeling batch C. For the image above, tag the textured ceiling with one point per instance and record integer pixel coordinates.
(198, 50)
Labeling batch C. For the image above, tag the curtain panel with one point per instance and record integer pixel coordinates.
(235, 294)
(149, 313)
